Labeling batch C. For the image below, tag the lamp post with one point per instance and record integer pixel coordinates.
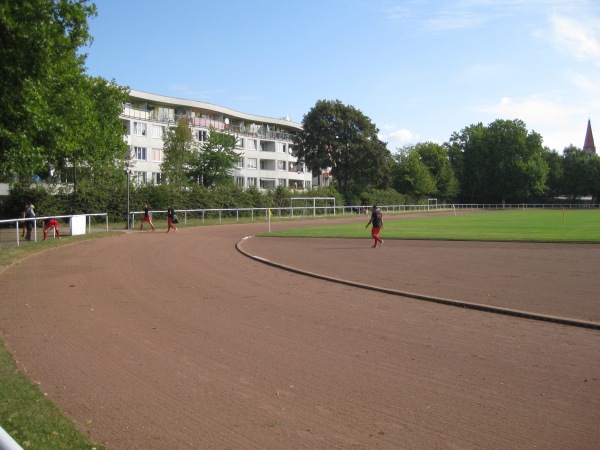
(128, 172)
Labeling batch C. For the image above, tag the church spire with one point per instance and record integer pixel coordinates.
(589, 140)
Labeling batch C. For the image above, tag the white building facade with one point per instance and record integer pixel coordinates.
(265, 146)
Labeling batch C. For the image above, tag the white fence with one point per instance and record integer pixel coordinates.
(325, 210)
(11, 236)
(10, 230)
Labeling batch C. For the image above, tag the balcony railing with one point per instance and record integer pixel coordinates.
(258, 131)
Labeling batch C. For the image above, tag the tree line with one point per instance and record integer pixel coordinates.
(501, 162)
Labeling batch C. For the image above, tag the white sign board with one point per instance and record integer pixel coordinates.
(77, 225)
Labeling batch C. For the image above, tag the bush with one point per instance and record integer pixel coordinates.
(110, 196)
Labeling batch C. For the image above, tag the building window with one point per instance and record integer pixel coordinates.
(156, 177)
(140, 153)
(280, 165)
(281, 182)
(251, 163)
(267, 183)
(306, 184)
(240, 163)
(252, 144)
(240, 143)
(139, 128)
(251, 182)
(202, 135)
(157, 131)
(166, 114)
(239, 181)
(157, 155)
(139, 177)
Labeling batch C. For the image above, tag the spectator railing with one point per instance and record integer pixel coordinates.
(20, 224)
(299, 212)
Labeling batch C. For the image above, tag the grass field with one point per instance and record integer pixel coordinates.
(517, 226)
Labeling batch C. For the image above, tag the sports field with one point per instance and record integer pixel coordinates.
(518, 226)
(154, 341)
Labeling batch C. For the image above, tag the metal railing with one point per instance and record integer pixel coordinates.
(258, 131)
(324, 210)
(21, 223)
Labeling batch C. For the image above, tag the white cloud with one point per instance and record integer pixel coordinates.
(589, 86)
(534, 110)
(577, 38)
(560, 125)
(398, 137)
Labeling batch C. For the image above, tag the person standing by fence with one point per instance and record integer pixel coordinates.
(170, 218)
(48, 225)
(147, 218)
(24, 224)
(29, 214)
(377, 221)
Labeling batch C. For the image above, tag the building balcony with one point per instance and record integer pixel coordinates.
(256, 131)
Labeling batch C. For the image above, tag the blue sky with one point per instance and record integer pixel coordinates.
(420, 70)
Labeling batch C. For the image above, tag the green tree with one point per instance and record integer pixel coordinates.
(435, 157)
(178, 147)
(413, 177)
(214, 160)
(342, 138)
(54, 115)
(467, 154)
(554, 180)
(579, 173)
(498, 163)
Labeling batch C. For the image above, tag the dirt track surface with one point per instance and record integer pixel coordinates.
(170, 341)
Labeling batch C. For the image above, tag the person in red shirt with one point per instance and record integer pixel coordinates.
(377, 221)
(48, 225)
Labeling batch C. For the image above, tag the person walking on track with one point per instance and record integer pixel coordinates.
(377, 221)
(170, 217)
(147, 218)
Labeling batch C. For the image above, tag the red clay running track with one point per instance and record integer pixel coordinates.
(156, 341)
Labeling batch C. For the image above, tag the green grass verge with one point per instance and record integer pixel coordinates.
(32, 420)
(517, 226)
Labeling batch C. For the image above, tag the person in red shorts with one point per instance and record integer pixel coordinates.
(48, 225)
(170, 217)
(377, 221)
(147, 218)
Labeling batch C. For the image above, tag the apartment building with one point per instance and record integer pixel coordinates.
(267, 158)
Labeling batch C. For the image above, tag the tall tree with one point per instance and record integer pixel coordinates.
(213, 161)
(412, 176)
(342, 138)
(435, 157)
(579, 173)
(42, 86)
(467, 154)
(554, 179)
(178, 147)
(41, 75)
(501, 162)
